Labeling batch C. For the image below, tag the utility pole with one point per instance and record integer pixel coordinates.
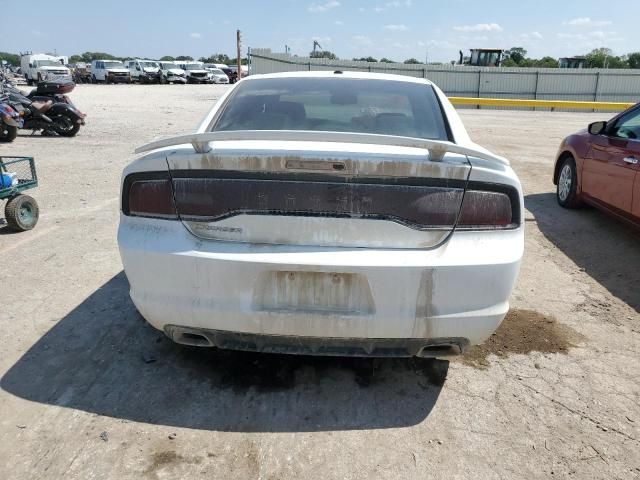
(238, 62)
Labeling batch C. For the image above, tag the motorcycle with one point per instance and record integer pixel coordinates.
(46, 107)
(10, 121)
(59, 118)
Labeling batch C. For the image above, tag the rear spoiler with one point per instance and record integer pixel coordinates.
(436, 148)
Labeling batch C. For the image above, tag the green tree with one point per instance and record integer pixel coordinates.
(633, 60)
(365, 59)
(597, 57)
(217, 58)
(89, 56)
(547, 62)
(411, 61)
(386, 60)
(167, 58)
(517, 54)
(186, 58)
(323, 54)
(11, 58)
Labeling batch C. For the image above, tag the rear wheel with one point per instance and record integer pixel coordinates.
(567, 187)
(8, 133)
(66, 126)
(21, 213)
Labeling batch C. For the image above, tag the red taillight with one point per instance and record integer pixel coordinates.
(150, 198)
(486, 210)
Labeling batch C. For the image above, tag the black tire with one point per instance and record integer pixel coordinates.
(567, 184)
(66, 125)
(93, 79)
(21, 213)
(8, 133)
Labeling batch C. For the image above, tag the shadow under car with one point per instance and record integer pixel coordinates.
(607, 249)
(104, 358)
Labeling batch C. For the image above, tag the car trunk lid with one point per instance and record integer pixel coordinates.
(319, 193)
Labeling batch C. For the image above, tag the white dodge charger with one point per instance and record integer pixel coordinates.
(325, 213)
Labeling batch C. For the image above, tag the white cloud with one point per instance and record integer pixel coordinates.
(531, 36)
(590, 39)
(393, 4)
(362, 40)
(396, 27)
(586, 22)
(322, 40)
(195, 35)
(479, 27)
(338, 22)
(323, 7)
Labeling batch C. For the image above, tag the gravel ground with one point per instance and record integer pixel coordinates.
(88, 390)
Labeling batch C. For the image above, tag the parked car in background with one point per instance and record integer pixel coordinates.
(600, 166)
(231, 74)
(109, 71)
(143, 71)
(196, 73)
(170, 72)
(81, 72)
(41, 67)
(244, 71)
(217, 76)
(323, 213)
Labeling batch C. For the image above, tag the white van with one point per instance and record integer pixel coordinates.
(41, 67)
(196, 73)
(143, 71)
(109, 71)
(171, 73)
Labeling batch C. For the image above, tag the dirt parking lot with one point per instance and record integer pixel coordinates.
(89, 390)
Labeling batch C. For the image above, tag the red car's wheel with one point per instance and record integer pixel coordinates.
(566, 191)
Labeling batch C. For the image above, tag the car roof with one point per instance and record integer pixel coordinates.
(332, 74)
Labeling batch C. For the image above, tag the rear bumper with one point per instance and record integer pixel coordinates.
(198, 80)
(117, 79)
(300, 345)
(458, 291)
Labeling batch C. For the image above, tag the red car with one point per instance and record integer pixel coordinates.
(600, 166)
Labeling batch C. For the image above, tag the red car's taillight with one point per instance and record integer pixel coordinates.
(151, 197)
(483, 209)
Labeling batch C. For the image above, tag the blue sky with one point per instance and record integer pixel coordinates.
(397, 29)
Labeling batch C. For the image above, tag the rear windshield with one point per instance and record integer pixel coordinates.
(354, 105)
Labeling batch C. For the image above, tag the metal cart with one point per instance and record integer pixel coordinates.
(18, 174)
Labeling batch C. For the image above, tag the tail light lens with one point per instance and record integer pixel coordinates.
(150, 197)
(417, 206)
(488, 210)
(209, 199)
